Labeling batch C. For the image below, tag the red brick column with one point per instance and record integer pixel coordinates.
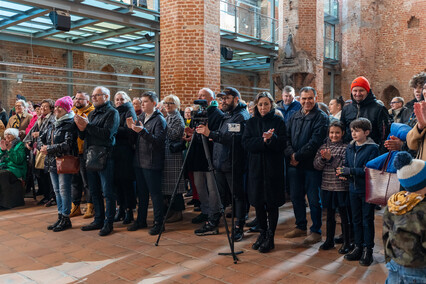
(189, 47)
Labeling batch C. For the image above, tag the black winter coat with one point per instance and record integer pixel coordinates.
(124, 148)
(266, 181)
(369, 108)
(196, 160)
(150, 145)
(222, 138)
(102, 127)
(408, 117)
(64, 142)
(305, 134)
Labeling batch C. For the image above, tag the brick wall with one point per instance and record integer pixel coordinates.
(36, 91)
(190, 47)
(379, 44)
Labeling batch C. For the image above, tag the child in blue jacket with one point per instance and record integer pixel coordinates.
(361, 150)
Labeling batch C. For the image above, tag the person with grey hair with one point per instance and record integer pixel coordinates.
(21, 119)
(288, 105)
(123, 152)
(98, 131)
(306, 131)
(13, 168)
(397, 109)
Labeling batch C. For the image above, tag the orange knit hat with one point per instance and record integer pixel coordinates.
(361, 82)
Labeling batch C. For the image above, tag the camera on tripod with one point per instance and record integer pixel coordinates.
(200, 116)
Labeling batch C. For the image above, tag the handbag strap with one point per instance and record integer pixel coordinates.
(385, 165)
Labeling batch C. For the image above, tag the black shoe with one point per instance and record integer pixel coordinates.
(197, 209)
(338, 239)
(106, 229)
(346, 248)
(260, 239)
(119, 215)
(254, 229)
(128, 217)
(252, 223)
(156, 229)
(355, 254)
(367, 257)
(191, 202)
(207, 229)
(92, 226)
(136, 226)
(188, 194)
(51, 227)
(378, 207)
(268, 244)
(43, 201)
(238, 233)
(63, 225)
(327, 245)
(200, 219)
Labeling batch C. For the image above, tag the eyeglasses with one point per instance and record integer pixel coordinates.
(96, 95)
(391, 103)
(80, 99)
(169, 103)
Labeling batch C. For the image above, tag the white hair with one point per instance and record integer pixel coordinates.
(104, 91)
(210, 92)
(12, 131)
(23, 103)
(124, 95)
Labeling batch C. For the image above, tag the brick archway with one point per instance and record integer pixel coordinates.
(388, 94)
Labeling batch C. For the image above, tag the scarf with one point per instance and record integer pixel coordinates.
(403, 202)
(17, 123)
(64, 117)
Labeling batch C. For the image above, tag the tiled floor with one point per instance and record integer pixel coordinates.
(31, 254)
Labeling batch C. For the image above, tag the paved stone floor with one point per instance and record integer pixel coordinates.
(31, 254)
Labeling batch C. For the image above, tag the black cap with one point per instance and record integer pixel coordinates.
(229, 91)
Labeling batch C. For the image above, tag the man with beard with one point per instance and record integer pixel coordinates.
(235, 112)
(82, 106)
(98, 132)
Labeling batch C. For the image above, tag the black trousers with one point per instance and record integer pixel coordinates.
(224, 184)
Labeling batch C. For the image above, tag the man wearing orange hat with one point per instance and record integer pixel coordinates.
(364, 104)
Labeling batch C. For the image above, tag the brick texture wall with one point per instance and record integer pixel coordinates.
(384, 41)
(190, 47)
(36, 91)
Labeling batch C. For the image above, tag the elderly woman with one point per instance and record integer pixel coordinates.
(123, 155)
(44, 121)
(13, 166)
(21, 119)
(264, 139)
(58, 140)
(173, 159)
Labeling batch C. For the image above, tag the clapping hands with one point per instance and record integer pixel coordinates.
(420, 111)
(268, 134)
(326, 154)
(136, 126)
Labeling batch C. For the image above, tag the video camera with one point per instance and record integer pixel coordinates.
(200, 116)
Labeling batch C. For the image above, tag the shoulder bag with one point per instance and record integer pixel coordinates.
(96, 158)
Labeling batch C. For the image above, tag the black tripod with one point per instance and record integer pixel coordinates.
(211, 172)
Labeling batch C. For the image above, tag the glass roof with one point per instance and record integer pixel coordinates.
(105, 30)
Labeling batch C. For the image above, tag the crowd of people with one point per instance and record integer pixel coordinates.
(133, 150)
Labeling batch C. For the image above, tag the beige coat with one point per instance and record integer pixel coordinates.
(416, 141)
(24, 124)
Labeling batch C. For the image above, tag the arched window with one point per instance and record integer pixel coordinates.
(388, 94)
(111, 80)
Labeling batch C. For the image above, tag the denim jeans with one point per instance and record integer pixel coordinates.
(362, 219)
(101, 186)
(148, 182)
(305, 182)
(62, 188)
(399, 274)
(209, 196)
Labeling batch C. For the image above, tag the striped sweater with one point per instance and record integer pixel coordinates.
(330, 181)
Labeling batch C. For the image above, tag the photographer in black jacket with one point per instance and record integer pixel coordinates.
(235, 112)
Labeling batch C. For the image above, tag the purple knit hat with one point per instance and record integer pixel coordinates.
(65, 103)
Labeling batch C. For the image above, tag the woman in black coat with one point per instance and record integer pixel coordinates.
(123, 153)
(264, 139)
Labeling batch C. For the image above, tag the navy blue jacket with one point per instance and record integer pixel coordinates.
(305, 134)
(356, 161)
(292, 109)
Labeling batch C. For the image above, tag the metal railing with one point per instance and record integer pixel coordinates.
(331, 49)
(248, 21)
(331, 8)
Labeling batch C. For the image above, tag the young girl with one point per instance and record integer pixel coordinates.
(334, 191)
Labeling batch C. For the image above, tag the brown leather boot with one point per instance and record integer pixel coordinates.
(75, 210)
(89, 211)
